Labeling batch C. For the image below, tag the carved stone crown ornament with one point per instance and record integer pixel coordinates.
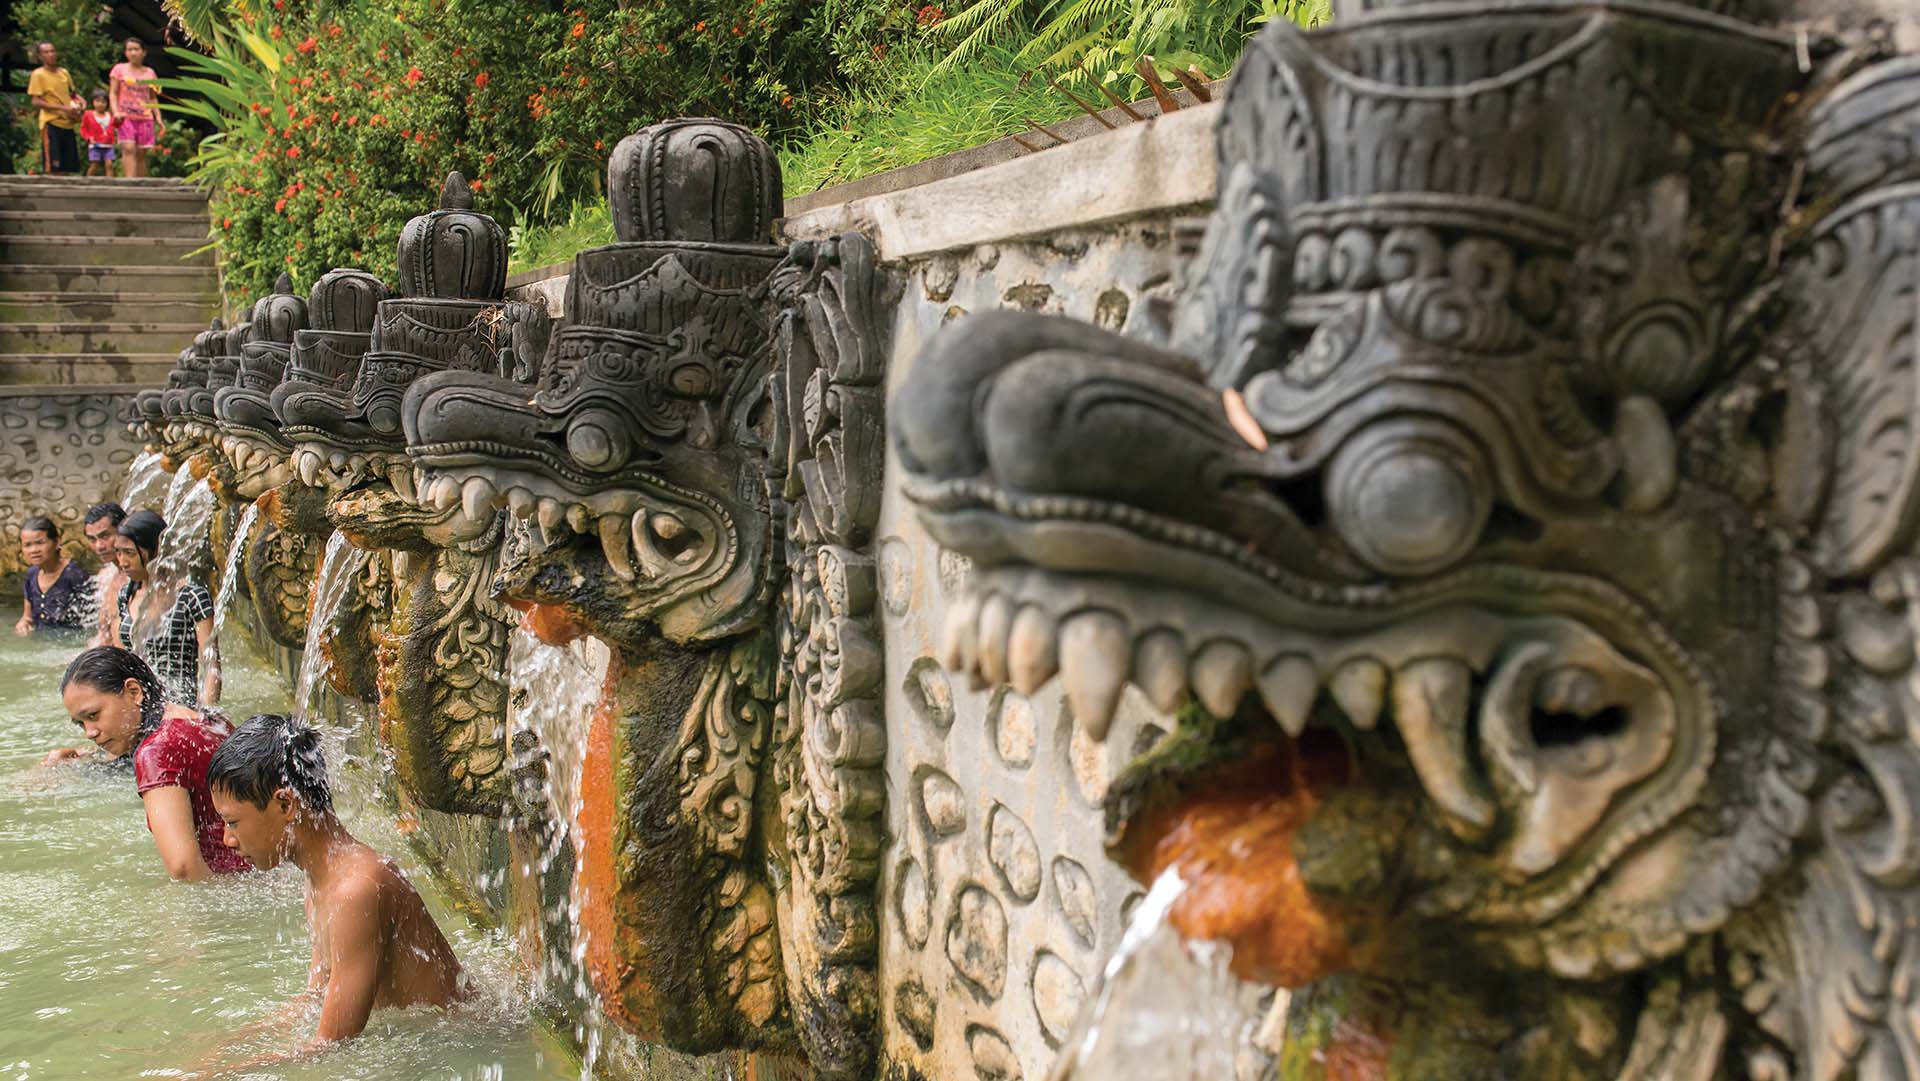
(1555, 536)
(452, 273)
(245, 409)
(325, 355)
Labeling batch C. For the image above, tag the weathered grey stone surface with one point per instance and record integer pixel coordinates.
(60, 452)
(998, 900)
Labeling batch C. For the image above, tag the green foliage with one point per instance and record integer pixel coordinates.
(332, 124)
(19, 153)
(586, 225)
(1073, 40)
(173, 151)
(920, 110)
(78, 30)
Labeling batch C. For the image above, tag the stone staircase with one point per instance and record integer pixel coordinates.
(96, 286)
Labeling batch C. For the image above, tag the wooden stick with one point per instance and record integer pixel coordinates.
(1115, 98)
(1085, 106)
(1195, 81)
(1037, 126)
(1168, 103)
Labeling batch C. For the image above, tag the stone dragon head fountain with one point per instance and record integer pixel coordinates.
(653, 478)
(1514, 527)
(1522, 521)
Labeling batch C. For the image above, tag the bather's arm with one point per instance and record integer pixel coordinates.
(209, 662)
(170, 817)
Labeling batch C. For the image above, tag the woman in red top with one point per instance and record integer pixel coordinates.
(116, 700)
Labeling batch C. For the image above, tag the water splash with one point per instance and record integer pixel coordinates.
(230, 571)
(554, 691)
(189, 510)
(338, 568)
(1169, 1010)
(146, 485)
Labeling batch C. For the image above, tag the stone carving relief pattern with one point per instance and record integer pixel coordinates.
(998, 903)
(59, 454)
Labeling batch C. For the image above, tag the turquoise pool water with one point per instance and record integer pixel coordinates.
(108, 970)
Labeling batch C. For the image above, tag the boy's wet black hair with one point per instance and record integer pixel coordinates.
(114, 513)
(108, 668)
(270, 752)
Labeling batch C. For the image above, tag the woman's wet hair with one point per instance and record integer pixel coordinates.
(40, 523)
(270, 752)
(107, 669)
(143, 528)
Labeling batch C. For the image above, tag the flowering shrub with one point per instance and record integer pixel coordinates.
(335, 123)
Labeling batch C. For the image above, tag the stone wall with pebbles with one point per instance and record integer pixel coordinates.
(998, 901)
(61, 451)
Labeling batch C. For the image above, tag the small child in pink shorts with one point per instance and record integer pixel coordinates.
(133, 107)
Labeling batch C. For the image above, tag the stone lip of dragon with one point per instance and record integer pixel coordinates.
(647, 479)
(1521, 524)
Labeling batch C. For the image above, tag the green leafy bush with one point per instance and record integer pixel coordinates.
(335, 123)
(1078, 40)
(78, 30)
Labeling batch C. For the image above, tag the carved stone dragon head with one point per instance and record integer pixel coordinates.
(638, 461)
(663, 485)
(248, 434)
(1529, 496)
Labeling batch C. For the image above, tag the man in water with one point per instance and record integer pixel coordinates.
(374, 943)
(101, 526)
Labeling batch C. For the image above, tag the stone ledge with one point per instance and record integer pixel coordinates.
(1159, 164)
(43, 390)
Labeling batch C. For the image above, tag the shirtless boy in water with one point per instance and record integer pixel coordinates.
(374, 943)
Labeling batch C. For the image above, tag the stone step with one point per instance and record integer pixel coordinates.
(89, 250)
(22, 276)
(47, 306)
(102, 223)
(141, 183)
(120, 339)
(182, 202)
(143, 369)
(23, 193)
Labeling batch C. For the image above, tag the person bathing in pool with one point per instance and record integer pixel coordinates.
(374, 943)
(117, 701)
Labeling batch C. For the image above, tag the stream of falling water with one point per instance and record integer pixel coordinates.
(189, 509)
(146, 486)
(555, 690)
(230, 575)
(1169, 1010)
(338, 568)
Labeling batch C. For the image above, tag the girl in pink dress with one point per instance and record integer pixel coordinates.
(134, 109)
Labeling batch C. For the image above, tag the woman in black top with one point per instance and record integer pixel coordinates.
(57, 590)
(170, 632)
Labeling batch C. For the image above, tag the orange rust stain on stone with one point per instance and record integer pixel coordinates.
(551, 623)
(1232, 839)
(596, 879)
(271, 507)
